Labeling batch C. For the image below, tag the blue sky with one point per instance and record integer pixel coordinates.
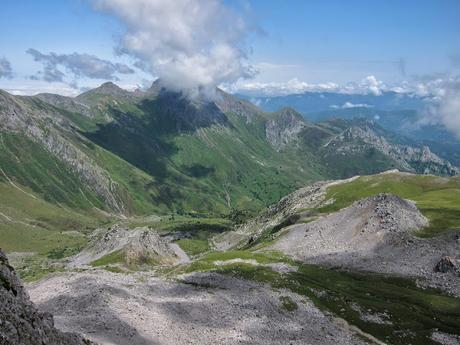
(312, 41)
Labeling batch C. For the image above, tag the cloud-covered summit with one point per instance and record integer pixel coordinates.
(189, 44)
(76, 65)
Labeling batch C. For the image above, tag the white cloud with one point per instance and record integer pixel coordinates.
(190, 44)
(5, 69)
(369, 85)
(433, 87)
(372, 85)
(450, 112)
(349, 105)
(293, 86)
(445, 108)
(77, 65)
(56, 88)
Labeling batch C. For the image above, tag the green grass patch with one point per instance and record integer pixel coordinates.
(193, 247)
(114, 257)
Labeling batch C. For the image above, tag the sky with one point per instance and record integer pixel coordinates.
(268, 46)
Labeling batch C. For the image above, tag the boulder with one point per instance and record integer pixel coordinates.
(447, 264)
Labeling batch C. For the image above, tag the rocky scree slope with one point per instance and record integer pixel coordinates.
(20, 321)
(197, 308)
(377, 234)
(134, 247)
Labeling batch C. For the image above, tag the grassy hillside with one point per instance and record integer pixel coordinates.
(28, 223)
(437, 198)
(206, 162)
(27, 163)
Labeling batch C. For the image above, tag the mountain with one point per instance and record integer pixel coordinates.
(312, 104)
(158, 152)
(147, 197)
(404, 114)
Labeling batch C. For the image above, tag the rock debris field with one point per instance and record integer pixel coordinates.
(201, 308)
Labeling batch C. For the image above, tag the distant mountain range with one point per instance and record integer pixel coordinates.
(397, 112)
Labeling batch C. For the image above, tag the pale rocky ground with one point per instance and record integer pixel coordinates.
(139, 243)
(375, 234)
(202, 308)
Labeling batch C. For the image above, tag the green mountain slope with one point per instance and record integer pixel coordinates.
(133, 153)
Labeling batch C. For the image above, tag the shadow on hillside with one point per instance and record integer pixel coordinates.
(89, 312)
(146, 139)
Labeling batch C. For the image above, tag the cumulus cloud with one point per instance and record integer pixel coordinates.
(5, 68)
(350, 105)
(449, 111)
(445, 106)
(76, 66)
(293, 86)
(189, 44)
(369, 85)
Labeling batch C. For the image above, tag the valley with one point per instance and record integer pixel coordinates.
(147, 217)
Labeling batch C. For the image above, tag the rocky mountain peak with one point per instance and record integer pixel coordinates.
(284, 126)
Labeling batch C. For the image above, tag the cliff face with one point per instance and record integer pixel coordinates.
(284, 127)
(20, 321)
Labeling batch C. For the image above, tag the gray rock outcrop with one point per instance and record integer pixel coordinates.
(448, 264)
(20, 321)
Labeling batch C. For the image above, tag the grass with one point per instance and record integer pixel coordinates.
(437, 198)
(28, 164)
(114, 257)
(127, 261)
(30, 224)
(36, 266)
(414, 312)
(197, 231)
(193, 247)
(209, 169)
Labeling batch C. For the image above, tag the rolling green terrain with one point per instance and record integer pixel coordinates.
(159, 152)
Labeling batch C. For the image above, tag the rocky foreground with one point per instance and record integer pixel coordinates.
(201, 308)
(377, 234)
(20, 321)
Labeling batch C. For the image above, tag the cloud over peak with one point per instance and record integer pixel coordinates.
(77, 66)
(187, 43)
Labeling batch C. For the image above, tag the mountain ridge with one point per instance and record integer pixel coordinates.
(218, 147)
